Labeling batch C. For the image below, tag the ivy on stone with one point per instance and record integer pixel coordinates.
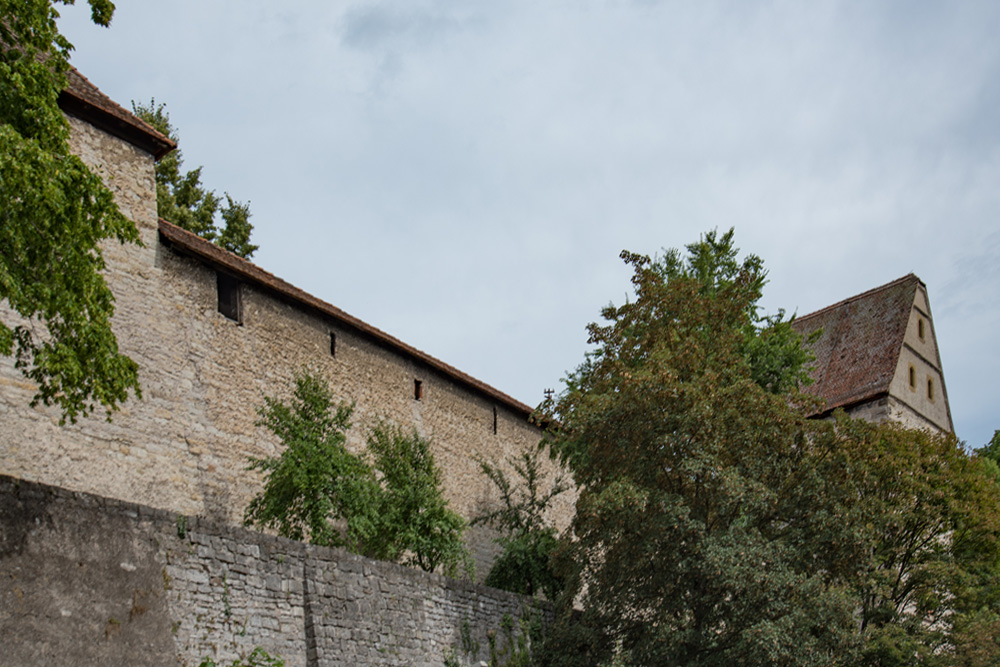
(257, 658)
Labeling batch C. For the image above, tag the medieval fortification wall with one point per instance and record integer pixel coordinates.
(185, 444)
(86, 580)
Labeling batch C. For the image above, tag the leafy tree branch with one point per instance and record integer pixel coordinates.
(54, 215)
(527, 538)
(390, 508)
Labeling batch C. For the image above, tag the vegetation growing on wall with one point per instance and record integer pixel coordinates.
(316, 489)
(517, 643)
(716, 524)
(527, 538)
(414, 521)
(54, 216)
(184, 201)
(257, 658)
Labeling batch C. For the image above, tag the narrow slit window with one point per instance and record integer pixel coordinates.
(229, 297)
(913, 378)
(333, 344)
(930, 388)
(494, 420)
(920, 328)
(418, 390)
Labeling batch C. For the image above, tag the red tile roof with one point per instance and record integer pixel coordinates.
(857, 353)
(192, 244)
(83, 100)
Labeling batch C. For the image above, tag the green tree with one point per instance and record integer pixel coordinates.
(317, 489)
(682, 435)
(989, 456)
(414, 521)
(526, 537)
(910, 523)
(54, 216)
(716, 524)
(184, 201)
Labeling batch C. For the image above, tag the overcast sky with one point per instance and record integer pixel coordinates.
(463, 175)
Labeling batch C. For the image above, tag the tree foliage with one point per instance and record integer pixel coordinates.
(415, 522)
(184, 201)
(316, 481)
(528, 540)
(54, 216)
(316, 489)
(680, 445)
(910, 523)
(716, 524)
(989, 457)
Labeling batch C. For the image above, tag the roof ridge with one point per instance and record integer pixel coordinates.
(862, 295)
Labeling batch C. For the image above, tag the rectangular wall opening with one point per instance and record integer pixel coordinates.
(333, 344)
(230, 303)
(418, 390)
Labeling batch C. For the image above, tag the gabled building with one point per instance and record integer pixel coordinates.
(877, 357)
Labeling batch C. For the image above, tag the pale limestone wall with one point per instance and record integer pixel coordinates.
(920, 406)
(184, 445)
(904, 414)
(876, 411)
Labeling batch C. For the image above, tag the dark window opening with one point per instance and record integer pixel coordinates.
(418, 390)
(333, 344)
(920, 329)
(229, 297)
(494, 420)
(930, 388)
(913, 378)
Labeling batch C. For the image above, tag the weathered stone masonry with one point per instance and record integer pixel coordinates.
(86, 580)
(184, 445)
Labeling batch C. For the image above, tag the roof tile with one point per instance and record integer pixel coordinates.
(858, 349)
(83, 99)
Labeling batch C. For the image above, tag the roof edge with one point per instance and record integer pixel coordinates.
(856, 297)
(846, 405)
(247, 270)
(84, 100)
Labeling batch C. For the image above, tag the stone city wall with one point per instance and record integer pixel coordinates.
(184, 446)
(86, 580)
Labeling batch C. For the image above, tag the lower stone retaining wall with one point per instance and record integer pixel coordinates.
(86, 580)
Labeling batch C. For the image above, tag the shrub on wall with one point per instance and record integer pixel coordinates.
(391, 508)
(527, 539)
(415, 522)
